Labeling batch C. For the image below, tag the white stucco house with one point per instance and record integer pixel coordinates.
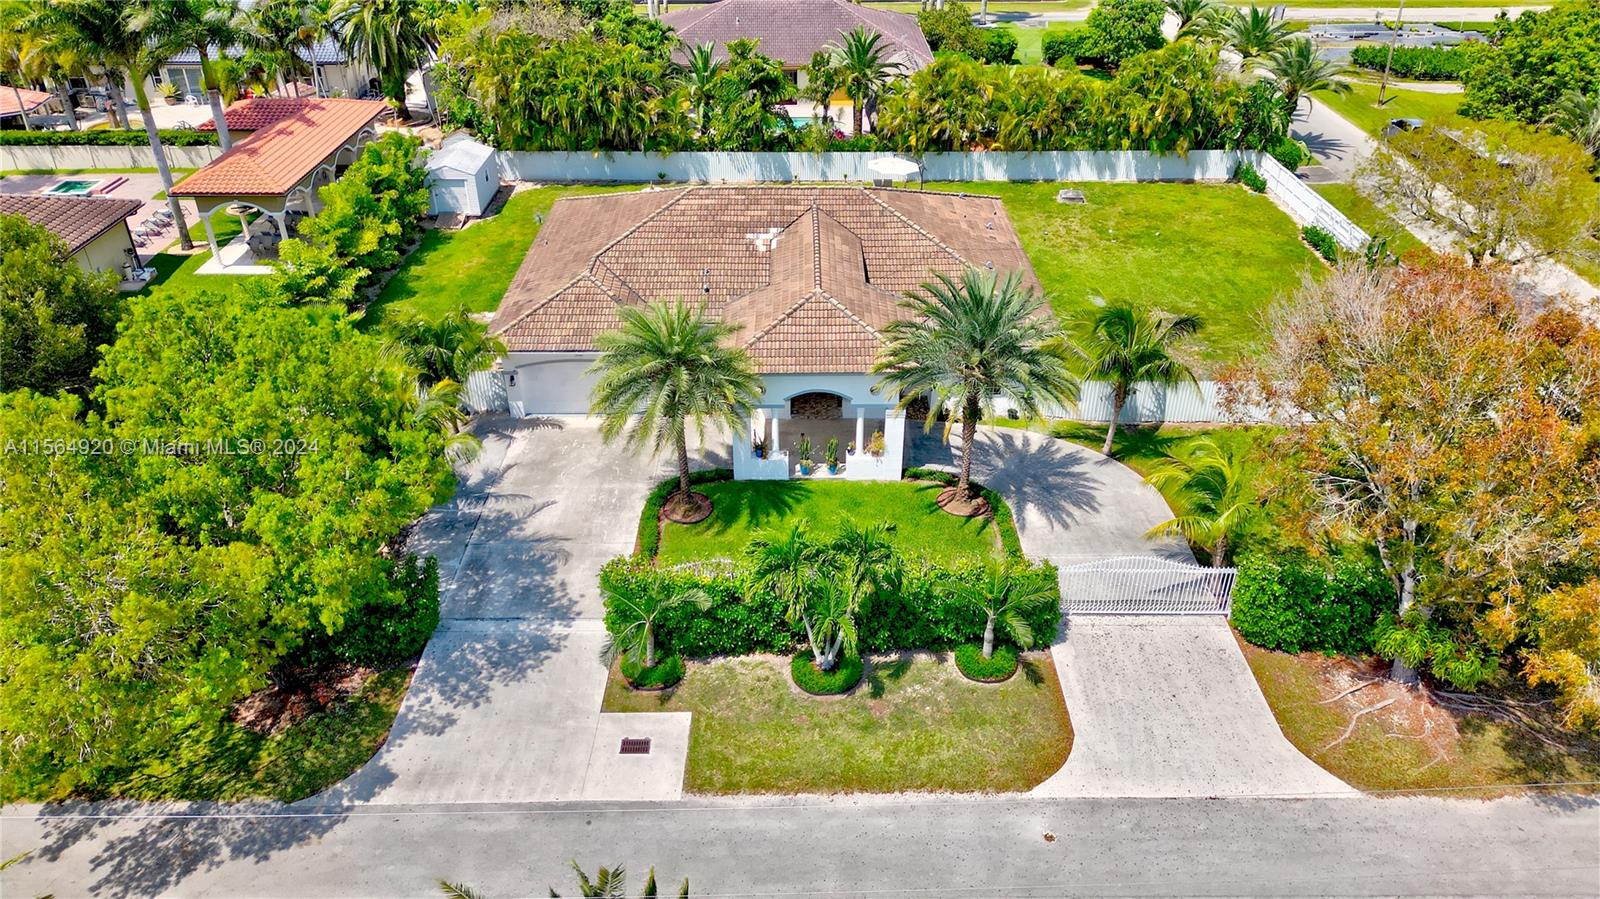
(809, 276)
(463, 176)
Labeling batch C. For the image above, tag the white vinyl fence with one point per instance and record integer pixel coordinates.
(1146, 585)
(85, 157)
(485, 391)
(1149, 403)
(1306, 206)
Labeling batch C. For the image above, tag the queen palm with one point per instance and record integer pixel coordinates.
(864, 70)
(201, 25)
(451, 347)
(1005, 600)
(1212, 486)
(636, 609)
(394, 36)
(1253, 33)
(969, 341)
(667, 365)
(797, 569)
(1298, 71)
(1127, 345)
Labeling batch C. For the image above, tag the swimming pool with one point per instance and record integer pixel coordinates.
(74, 188)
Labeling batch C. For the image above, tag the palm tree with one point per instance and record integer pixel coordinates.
(1126, 345)
(1212, 485)
(638, 609)
(1005, 601)
(698, 73)
(1193, 15)
(453, 346)
(864, 70)
(438, 407)
(393, 35)
(201, 25)
(668, 364)
(1577, 115)
(276, 30)
(1253, 34)
(822, 80)
(609, 883)
(16, 54)
(90, 31)
(795, 568)
(970, 342)
(865, 558)
(1299, 71)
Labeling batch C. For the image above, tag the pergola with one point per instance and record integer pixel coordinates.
(283, 165)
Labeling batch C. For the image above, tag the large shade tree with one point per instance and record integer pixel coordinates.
(969, 341)
(669, 365)
(54, 316)
(1126, 345)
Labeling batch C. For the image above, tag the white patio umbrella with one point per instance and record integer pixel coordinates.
(895, 168)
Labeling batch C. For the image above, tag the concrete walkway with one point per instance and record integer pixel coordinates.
(1160, 705)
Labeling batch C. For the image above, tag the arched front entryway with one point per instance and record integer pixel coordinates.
(797, 412)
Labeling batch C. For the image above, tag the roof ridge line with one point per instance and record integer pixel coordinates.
(781, 318)
(816, 245)
(684, 192)
(851, 314)
(917, 228)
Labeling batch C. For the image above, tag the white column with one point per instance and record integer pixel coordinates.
(775, 445)
(860, 425)
(894, 439)
(278, 219)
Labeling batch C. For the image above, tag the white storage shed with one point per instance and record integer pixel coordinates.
(463, 176)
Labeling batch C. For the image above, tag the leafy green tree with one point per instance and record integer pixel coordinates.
(1214, 488)
(1006, 602)
(943, 106)
(1126, 345)
(54, 316)
(394, 36)
(1532, 60)
(822, 81)
(864, 71)
(1174, 100)
(637, 612)
(452, 347)
(1117, 30)
(1253, 33)
(1298, 71)
(969, 342)
(666, 366)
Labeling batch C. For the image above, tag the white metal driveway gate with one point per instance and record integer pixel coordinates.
(1146, 585)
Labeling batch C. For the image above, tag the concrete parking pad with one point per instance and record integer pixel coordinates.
(655, 776)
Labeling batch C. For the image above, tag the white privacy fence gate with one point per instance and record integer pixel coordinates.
(1146, 585)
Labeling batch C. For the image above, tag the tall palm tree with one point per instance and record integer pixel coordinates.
(1253, 33)
(1213, 486)
(1577, 115)
(394, 36)
(1127, 344)
(637, 609)
(1299, 71)
(865, 558)
(1005, 601)
(453, 346)
(698, 73)
(669, 364)
(970, 341)
(202, 25)
(91, 31)
(864, 70)
(276, 31)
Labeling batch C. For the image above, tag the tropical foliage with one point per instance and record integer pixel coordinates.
(864, 71)
(1214, 489)
(1008, 604)
(54, 316)
(1532, 60)
(1125, 345)
(1298, 70)
(393, 36)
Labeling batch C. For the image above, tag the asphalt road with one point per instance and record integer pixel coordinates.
(881, 849)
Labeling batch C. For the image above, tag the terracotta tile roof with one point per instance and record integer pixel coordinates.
(31, 99)
(259, 112)
(790, 31)
(76, 220)
(809, 275)
(273, 160)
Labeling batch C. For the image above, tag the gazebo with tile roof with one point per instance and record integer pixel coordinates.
(811, 277)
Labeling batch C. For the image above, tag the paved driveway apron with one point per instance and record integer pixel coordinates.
(1160, 705)
(505, 704)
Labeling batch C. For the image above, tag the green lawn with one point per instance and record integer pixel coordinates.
(1410, 4)
(1030, 41)
(1483, 752)
(743, 508)
(1370, 218)
(1215, 250)
(175, 273)
(298, 761)
(1360, 106)
(473, 266)
(914, 724)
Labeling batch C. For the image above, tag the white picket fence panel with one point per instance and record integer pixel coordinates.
(1306, 206)
(1146, 585)
(485, 391)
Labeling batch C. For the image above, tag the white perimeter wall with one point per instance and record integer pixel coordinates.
(81, 157)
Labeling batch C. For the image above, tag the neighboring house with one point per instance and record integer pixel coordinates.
(791, 31)
(34, 102)
(810, 275)
(337, 74)
(463, 176)
(95, 229)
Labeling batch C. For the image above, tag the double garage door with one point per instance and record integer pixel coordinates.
(555, 387)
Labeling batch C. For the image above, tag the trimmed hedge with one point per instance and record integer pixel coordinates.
(1009, 540)
(741, 621)
(666, 673)
(1295, 603)
(1247, 175)
(993, 670)
(1060, 48)
(1416, 63)
(842, 679)
(1291, 153)
(1321, 241)
(649, 534)
(105, 138)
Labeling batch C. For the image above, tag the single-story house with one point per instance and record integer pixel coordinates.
(792, 31)
(34, 102)
(810, 276)
(252, 114)
(463, 176)
(95, 229)
(336, 73)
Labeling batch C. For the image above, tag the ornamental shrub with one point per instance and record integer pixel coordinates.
(106, 138)
(395, 626)
(1247, 175)
(1061, 47)
(1295, 603)
(1323, 242)
(666, 673)
(843, 678)
(1290, 153)
(1416, 63)
(999, 47)
(994, 669)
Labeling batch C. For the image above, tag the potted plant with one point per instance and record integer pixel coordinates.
(831, 455)
(758, 447)
(875, 444)
(169, 92)
(803, 451)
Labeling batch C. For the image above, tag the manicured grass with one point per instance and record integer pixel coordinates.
(1030, 41)
(1410, 4)
(744, 508)
(914, 724)
(298, 761)
(1487, 752)
(1360, 106)
(473, 266)
(176, 273)
(1366, 214)
(1214, 250)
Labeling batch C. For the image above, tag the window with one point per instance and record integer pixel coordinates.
(189, 79)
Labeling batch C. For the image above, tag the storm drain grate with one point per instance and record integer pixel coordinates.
(635, 746)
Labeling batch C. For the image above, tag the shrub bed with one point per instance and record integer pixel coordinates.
(1295, 603)
(1009, 540)
(649, 534)
(1415, 63)
(1247, 175)
(106, 138)
(996, 668)
(665, 673)
(842, 679)
(1322, 241)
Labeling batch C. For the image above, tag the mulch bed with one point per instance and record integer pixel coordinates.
(953, 501)
(305, 691)
(694, 508)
